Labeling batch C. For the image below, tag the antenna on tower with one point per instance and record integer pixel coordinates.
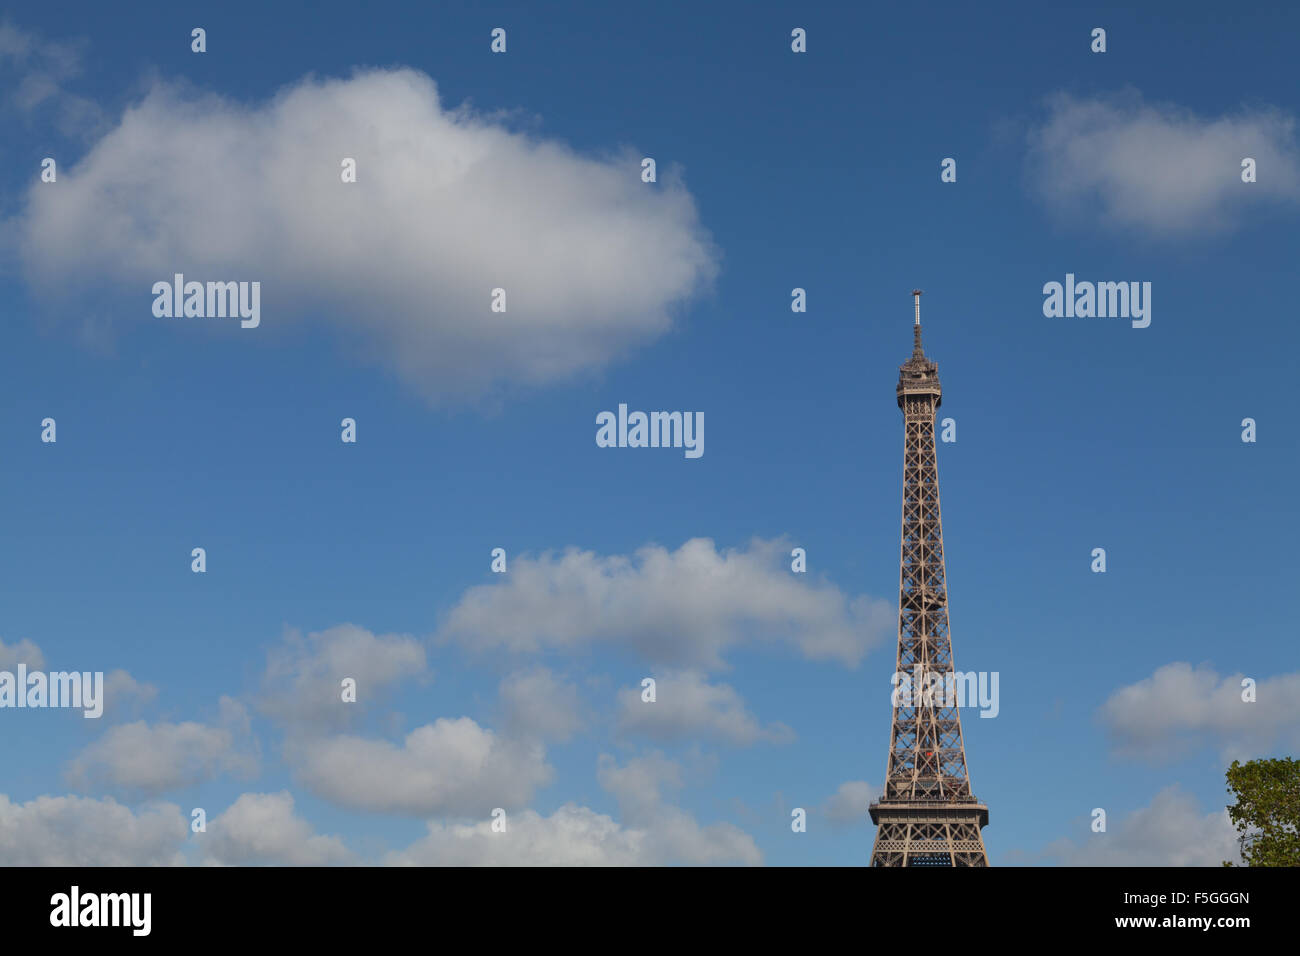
(916, 294)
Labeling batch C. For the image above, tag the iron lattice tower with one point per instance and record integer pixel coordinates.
(927, 815)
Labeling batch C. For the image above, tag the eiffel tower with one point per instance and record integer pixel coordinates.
(927, 815)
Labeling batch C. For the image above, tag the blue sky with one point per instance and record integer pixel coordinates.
(777, 170)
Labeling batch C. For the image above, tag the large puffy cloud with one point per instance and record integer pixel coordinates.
(447, 206)
(683, 607)
(302, 686)
(1161, 169)
(154, 758)
(262, 828)
(80, 831)
(450, 767)
(1172, 831)
(686, 705)
(1181, 707)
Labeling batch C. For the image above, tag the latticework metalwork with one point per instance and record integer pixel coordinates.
(927, 815)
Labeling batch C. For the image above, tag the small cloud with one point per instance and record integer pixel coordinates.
(39, 71)
(122, 692)
(303, 683)
(263, 829)
(1160, 170)
(448, 767)
(150, 759)
(687, 706)
(1171, 831)
(848, 805)
(537, 704)
(1181, 708)
(23, 652)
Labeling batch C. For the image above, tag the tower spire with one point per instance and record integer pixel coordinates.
(917, 352)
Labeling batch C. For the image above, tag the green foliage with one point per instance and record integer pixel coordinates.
(1267, 812)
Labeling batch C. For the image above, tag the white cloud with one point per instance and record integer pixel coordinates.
(571, 836)
(686, 705)
(1160, 169)
(684, 607)
(450, 767)
(303, 681)
(538, 704)
(653, 832)
(262, 828)
(448, 205)
(23, 652)
(43, 68)
(123, 692)
(1172, 831)
(79, 831)
(155, 758)
(673, 835)
(446, 767)
(676, 837)
(1179, 708)
(640, 784)
(848, 805)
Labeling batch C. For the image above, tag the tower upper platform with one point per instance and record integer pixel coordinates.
(918, 375)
